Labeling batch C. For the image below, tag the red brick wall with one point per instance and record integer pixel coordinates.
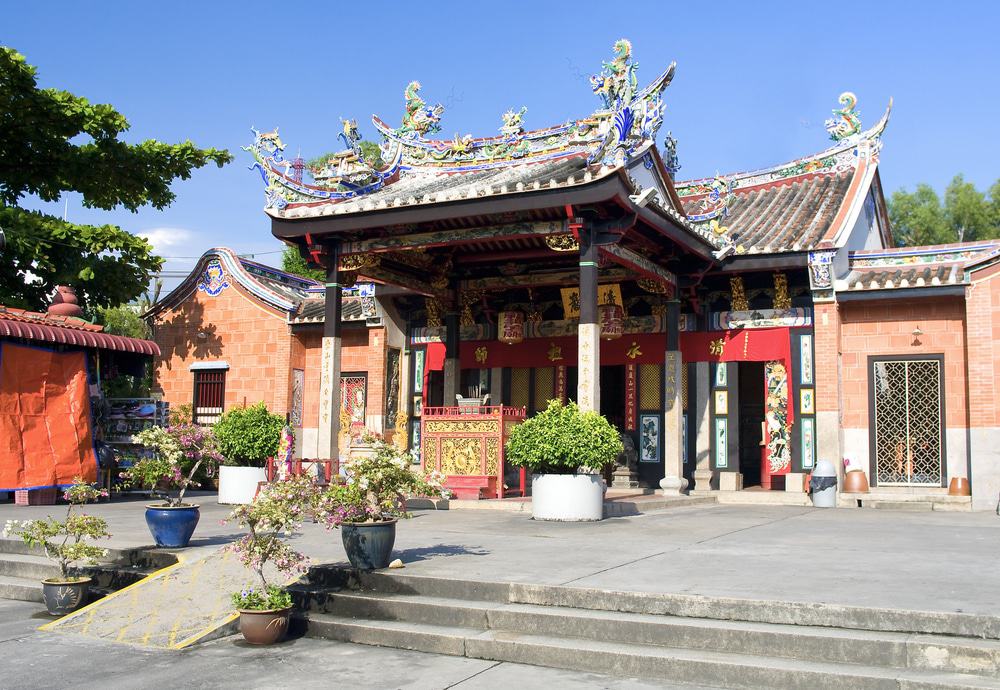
(885, 328)
(826, 342)
(362, 350)
(983, 343)
(254, 340)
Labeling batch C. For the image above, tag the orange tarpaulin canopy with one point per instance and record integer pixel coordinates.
(45, 435)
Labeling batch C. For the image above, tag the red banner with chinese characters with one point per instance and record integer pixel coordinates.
(630, 397)
(560, 391)
(745, 345)
(638, 348)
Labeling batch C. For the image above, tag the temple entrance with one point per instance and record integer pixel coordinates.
(751, 411)
(613, 394)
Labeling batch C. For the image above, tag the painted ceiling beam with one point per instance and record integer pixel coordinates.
(456, 237)
(630, 259)
(607, 275)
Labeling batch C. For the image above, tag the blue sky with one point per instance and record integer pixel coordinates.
(754, 82)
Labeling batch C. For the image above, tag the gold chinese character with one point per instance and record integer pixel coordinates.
(481, 354)
(555, 353)
(633, 351)
(716, 347)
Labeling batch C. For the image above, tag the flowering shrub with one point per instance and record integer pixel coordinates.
(180, 451)
(269, 598)
(74, 529)
(561, 439)
(276, 512)
(377, 486)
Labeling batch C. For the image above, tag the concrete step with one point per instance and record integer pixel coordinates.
(805, 643)
(29, 567)
(20, 589)
(322, 581)
(723, 669)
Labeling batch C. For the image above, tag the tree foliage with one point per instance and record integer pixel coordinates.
(370, 153)
(292, 262)
(52, 142)
(966, 215)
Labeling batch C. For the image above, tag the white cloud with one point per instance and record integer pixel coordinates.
(167, 241)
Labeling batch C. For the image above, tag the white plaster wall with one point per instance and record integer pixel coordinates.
(985, 474)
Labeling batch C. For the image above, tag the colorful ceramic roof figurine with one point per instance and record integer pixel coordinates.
(608, 138)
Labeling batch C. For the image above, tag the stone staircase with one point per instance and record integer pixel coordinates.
(22, 569)
(680, 638)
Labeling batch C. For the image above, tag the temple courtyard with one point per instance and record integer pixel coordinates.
(864, 569)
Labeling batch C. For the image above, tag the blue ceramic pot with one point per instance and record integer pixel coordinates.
(368, 544)
(172, 527)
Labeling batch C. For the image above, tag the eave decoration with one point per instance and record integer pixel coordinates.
(627, 120)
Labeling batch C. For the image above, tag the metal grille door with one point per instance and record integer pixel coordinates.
(907, 422)
(353, 402)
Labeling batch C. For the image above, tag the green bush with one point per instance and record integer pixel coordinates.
(248, 435)
(561, 439)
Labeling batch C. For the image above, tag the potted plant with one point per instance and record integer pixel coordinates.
(63, 542)
(276, 512)
(246, 437)
(372, 498)
(179, 452)
(565, 449)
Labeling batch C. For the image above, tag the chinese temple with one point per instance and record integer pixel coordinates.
(737, 328)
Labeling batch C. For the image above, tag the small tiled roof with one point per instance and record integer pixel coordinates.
(790, 207)
(31, 325)
(916, 267)
(313, 310)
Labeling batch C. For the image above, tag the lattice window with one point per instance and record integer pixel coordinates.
(907, 426)
(353, 400)
(520, 386)
(650, 386)
(684, 386)
(544, 382)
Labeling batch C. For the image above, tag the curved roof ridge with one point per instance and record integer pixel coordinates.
(872, 134)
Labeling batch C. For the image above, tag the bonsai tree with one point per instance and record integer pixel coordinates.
(377, 486)
(63, 541)
(178, 453)
(563, 440)
(248, 435)
(276, 512)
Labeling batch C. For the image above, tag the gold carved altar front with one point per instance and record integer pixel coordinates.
(466, 444)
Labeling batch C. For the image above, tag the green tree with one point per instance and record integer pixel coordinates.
(52, 142)
(966, 215)
(123, 320)
(292, 262)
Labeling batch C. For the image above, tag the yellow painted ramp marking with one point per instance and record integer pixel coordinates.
(171, 609)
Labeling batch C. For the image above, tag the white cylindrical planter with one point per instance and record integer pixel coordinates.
(567, 497)
(239, 484)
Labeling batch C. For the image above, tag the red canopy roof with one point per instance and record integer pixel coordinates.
(18, 323)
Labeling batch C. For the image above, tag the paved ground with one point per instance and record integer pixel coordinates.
(46, 660)
(921, 560)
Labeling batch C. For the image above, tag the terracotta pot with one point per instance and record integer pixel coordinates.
(64, 596)
(264, 627)
(855, 482)
(959, 486)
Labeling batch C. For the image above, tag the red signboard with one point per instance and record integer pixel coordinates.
(630, 397)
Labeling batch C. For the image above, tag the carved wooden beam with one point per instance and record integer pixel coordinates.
(382, 274)
(442, 238)
(630, 259)
(607, 275)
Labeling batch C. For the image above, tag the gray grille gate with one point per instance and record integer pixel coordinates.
(907, 422)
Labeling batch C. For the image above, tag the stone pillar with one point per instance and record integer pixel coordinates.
(329, 396)
(588, 387)
(451, 364)
(673, 482)
(702, 421)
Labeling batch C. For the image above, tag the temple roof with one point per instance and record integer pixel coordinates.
(795, 206)
(293, 296)
(917, 267)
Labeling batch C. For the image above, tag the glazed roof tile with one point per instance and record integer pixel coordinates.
(917, 267)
